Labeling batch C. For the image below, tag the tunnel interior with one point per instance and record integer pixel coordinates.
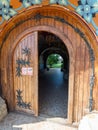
(53, 81)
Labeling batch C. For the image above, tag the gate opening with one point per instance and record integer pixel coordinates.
(53, 75)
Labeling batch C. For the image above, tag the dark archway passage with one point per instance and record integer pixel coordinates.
(53, 83)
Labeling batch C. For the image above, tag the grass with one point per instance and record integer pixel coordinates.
(56, 65)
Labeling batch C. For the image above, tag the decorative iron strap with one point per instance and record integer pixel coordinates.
(37, 17)
(20, 102)
(20, 62)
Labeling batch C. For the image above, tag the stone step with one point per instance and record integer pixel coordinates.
(3, 109)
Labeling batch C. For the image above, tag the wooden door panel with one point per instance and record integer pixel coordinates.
(25, 69)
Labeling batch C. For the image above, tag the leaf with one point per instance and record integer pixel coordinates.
(36, 1)
(6, 3)
(53, 1)
(26, 51)
(12, 12)
(26, 3)
(63, 2)
(95, 7)
(18, 71)
(6, 17)
(29, 105)
(18, 61)
(28, 63)
(19, 91)
(79, 10)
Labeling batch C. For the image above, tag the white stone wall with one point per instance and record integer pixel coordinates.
(3, 109)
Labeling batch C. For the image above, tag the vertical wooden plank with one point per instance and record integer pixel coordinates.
(8, 63)
(65, 26)
(45, 19)
(70, 36)
(51, 20)
(72, 64)
(61, 24)
(29, 41)
(71, 90)
(86, 81)
(74, 42)
(77, 78)
(81, 84)
(36, 73)
(57, 23)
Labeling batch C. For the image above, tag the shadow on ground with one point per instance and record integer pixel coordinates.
(18, 121)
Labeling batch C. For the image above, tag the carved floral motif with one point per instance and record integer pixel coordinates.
(87, 9)
(27, 3)
(6, 11)
(20, 102)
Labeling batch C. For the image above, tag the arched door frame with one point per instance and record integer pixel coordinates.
(71, 62)
(54, 49)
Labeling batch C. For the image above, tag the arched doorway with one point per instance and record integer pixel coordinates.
(78, 44)
(53, 76)
(71, 69)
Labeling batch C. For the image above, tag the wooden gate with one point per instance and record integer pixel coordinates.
(25, 71)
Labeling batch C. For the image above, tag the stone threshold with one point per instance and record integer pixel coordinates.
(59, 120)
(3, 109)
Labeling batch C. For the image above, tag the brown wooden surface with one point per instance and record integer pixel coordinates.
(79, 73)
(27, 83)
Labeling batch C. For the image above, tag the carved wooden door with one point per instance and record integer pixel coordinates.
(25, 69)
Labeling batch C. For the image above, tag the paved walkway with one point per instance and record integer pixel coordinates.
(17, 121)
(53, 93)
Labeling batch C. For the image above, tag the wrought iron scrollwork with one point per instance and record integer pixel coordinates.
(23, 62)
(20, 102)
(92, 78)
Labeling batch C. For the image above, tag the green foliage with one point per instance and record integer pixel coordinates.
(53, 61)
(56, 65)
